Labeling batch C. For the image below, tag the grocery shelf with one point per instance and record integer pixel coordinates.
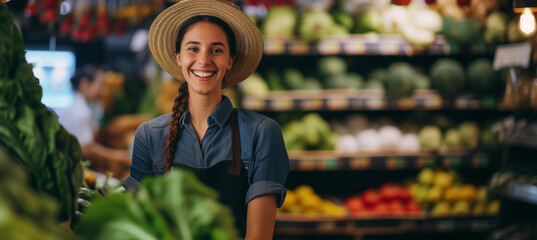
(523, 192)
(331, 161)
(300, 224)
(368, 44)
(296, 225)
(343, 100)
(459, 224)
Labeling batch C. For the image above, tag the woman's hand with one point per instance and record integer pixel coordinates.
(261, 217)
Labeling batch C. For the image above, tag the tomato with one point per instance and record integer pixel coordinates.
(355, 204)
(390, 191)
(371, 197)
(381, 208)
(412, 206)
(396, 207)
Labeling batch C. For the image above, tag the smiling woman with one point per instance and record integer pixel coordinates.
(204, 56)
(209, 45)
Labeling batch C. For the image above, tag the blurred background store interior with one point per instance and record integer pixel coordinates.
(403, 119)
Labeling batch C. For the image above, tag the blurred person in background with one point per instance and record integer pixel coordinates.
(209, 45)
(82, 121)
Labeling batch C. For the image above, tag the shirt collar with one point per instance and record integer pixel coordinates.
(222, 112)
(219, 116)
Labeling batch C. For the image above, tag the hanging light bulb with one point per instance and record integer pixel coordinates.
(526, 23)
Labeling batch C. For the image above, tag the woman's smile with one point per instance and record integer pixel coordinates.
(203, 74)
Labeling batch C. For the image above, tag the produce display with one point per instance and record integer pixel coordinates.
(279, 22)
(178, 206)
(448, 76)
(174, 206)
(311, 132)
(85, 21)
(433, 193)
(399, 79)
(418, 22)
(304, 201)
(443, 193)
(30, 130)
(389, 199)
(359, 134)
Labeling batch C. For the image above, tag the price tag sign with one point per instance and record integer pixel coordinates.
(360, 163)
(337, 103)
(254, 104)
(405, 103)
(424, 162)
(452, 162)
(329, 47)
(311, 104)
(282, 104)
(445, 226)
(512, 55)
(274, 46)
(299, 47)
(376, 103)
(389, 48)
(393, 163)
(331, 164)
(307, 165)
(354, 47)
(480, 160)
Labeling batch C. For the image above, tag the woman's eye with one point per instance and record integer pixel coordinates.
(192, 49)
(218, 50)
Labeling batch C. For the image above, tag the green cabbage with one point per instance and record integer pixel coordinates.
(280, 22)
(315, 25)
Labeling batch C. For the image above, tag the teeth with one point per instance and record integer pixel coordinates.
(203, 74)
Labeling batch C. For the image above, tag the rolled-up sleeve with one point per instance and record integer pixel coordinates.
(130, 183)
(270, 165)
(142, 162)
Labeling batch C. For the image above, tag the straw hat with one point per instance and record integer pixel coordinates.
(164, 30)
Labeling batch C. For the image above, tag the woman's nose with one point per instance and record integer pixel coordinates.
(204, 58)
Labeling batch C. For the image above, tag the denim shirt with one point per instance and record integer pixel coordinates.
(263, 151)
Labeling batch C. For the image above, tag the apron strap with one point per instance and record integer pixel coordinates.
(235, 168)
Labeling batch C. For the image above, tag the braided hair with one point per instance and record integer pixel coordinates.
(178, 109)
(181, 101)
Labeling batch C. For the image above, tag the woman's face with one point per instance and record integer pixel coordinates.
(204, 58)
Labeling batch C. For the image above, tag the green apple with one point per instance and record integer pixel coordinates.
(461, 207)
(440, 208)
(434, 194)
(443, 179)
(426, 176)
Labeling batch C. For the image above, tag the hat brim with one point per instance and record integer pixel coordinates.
(164, 30)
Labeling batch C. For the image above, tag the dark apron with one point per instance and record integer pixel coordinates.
(227, 177)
